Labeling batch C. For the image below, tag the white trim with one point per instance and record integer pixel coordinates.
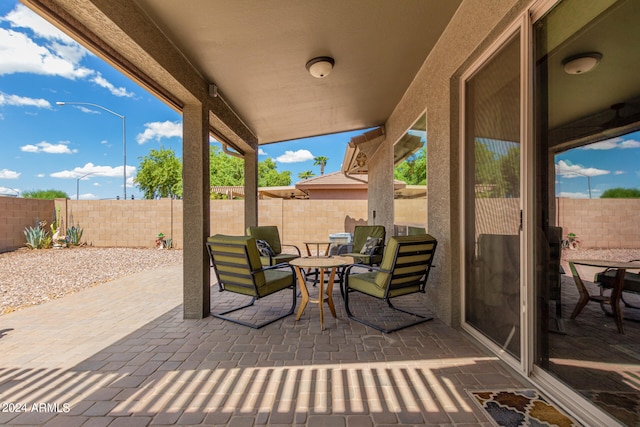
(527, 197)
(585, 411)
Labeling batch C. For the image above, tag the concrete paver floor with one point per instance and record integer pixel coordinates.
(120, 354)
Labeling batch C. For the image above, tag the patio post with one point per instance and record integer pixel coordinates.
(196, 213)
(251, 188)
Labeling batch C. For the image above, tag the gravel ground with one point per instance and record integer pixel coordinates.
(31, 277)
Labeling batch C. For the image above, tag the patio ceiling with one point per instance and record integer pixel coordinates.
(255, 53)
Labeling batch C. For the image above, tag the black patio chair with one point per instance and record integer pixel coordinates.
(404, 270)
(237, 266)
(270, 246)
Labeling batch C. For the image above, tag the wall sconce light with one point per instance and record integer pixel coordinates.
(320, 67)
(581, 63)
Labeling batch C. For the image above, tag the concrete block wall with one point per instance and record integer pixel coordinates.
(601, 223)
(16, 214)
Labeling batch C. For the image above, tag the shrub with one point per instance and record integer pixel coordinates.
(37, 237)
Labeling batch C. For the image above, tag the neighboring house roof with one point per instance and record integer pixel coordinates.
(338, 180)
(284, 192)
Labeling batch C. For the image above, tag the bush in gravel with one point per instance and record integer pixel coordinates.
(74, 234)
(37, 237)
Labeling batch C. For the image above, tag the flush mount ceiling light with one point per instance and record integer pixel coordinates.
(320, 67)
(581, 63)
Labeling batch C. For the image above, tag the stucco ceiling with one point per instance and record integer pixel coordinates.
(255, 53)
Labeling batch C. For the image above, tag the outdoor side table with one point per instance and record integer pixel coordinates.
(321, 263)
(616, 293)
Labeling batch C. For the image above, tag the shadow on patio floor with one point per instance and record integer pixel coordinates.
(121, 354)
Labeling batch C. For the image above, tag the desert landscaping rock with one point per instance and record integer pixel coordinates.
(32, 277)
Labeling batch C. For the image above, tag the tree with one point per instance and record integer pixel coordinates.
(226, 170)
(160, 174)
(268, 175)
(45, 194)
(320, 161)
(413, 170)
(621, 193)
(306, 175)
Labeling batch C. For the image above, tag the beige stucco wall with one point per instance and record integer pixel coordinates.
(436, 89)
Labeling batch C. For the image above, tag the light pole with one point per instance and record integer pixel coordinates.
(124, 137)
(567, 173)
(78, 183)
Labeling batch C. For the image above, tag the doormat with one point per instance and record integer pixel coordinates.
(520, 408)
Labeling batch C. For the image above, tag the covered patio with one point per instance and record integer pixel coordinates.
(96, 359)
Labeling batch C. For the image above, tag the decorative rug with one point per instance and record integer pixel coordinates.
(520, 408)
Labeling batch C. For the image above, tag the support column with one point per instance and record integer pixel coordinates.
(196, 213)
(251, 188)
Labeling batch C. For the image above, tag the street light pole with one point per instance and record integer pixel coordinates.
(78, 184)
(124, 137)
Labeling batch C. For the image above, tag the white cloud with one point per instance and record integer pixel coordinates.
(610, 144)
(630, 143)
(92, 169)
(159, 130)
(577, 195)
(602, 145)
(16, 100)
(35, 46)
(88, 196)
(116, 91)
(295, 156)
(575, 171)
(619, 173)
(23, 17)
(86, 110)
(7, 174)
(9, 191)
(46, 147)
(22, 55)
(261, 152)
(40, 175)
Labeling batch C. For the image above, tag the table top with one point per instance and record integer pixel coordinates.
(321, 261)
(317, 243)
(605, 263)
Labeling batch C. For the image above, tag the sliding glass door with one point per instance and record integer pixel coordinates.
(492, 204)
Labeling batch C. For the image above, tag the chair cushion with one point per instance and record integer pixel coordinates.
(362, 232)
(366, 283)
(280, 258)
(370, 245)
(269, 233)
(389, 258)
(265, 248)
(631, 280)
(275, 281)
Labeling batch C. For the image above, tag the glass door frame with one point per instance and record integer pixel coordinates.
(521, 28)
(576, 404)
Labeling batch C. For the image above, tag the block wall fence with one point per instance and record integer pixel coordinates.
(599, 223)
(136, 223)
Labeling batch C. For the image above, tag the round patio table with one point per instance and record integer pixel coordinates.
(322, 264)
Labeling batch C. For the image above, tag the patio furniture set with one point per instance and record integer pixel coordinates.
(255, 266)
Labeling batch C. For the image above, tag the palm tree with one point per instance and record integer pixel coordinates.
(306, 175)
(321, 161)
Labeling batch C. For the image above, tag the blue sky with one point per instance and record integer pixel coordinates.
(603, 165)
(47, 146)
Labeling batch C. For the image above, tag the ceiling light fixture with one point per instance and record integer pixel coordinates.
(581, 63)
(320, 67)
